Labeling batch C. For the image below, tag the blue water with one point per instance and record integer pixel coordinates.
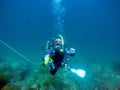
(92, 27)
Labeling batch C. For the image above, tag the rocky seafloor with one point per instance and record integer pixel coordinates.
(17, 75)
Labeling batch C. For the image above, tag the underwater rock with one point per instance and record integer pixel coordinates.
(31, 87)
(4, 78)
(15, 66)
(3, 82)
(21, 77)
(35, 87)
(11, 87)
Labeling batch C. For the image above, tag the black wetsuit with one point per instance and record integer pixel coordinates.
(57, 55)
(58, 58)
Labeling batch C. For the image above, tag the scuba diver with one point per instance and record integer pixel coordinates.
(56, 53)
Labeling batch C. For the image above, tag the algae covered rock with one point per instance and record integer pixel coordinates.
(11, 87)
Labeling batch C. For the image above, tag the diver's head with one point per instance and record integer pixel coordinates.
(58, 43)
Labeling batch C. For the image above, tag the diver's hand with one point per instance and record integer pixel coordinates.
(72, 51)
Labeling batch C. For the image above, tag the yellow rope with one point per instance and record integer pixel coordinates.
(15, 51)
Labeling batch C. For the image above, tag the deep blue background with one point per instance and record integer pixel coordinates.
(91, 26)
